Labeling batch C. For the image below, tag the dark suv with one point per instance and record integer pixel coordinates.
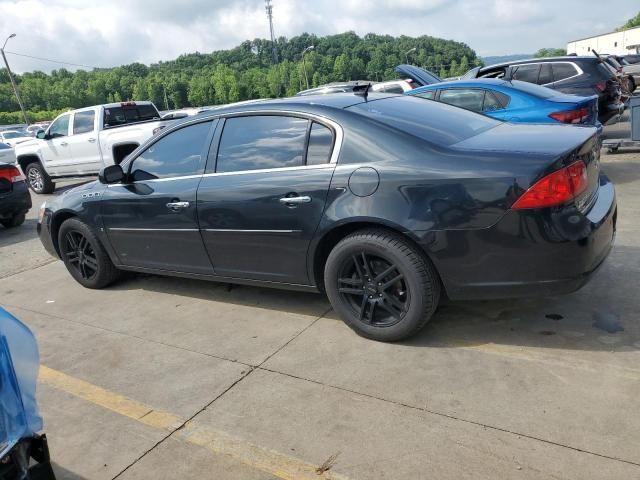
(583, 76)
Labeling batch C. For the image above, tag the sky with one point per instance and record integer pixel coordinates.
(104, 33)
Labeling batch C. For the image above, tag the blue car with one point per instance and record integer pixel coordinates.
(514, 101)
(23, 451)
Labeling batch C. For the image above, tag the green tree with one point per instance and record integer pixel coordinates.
(550, 52)
(631, 23)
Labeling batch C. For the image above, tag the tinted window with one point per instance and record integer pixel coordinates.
(431, 121)
(129, 114)
(428, 95)
(546, 75)
(60, 127)
(526, 73)
(491, 102)
(471, 99)
(320, 145)
(176, 155)
(10, 135)
(562, 71)
(394, 89)
(4, 146)
(83, 122)
(535, 90)
(259, 142)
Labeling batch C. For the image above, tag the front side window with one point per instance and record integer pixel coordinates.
(83, 122)
(176, 155)
(526, 73)
(320, 145)
(469, 99)
(60, 127)
(261, 142)
(562, 71)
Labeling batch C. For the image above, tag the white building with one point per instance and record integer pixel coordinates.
(614, 43)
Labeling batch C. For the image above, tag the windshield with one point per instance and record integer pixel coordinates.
(11, 135)
(432, 121)
(533, 89)
(125, 114)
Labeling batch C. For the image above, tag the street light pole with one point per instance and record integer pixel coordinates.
(406, 54)
(13, 82)
(304, 64)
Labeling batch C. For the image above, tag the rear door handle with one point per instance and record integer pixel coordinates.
(63, 144)
(177, 206)
(295, 200)
(92, 140)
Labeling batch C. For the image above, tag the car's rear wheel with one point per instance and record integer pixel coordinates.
(84, 256)
(381, 285)
(14, 221)
(38, 179)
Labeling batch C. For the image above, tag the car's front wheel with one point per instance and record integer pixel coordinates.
(84, 256)
(381, 285)
(38, 179)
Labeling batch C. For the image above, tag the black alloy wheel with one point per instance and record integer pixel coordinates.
(84, 256)
(381, 284)
(79, 253)
(375, 288)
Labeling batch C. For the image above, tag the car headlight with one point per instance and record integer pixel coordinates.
(41, 211)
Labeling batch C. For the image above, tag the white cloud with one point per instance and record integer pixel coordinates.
(107, 33)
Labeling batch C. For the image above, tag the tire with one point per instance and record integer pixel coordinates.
(84, 256)
(14, 221)
(38, 179)
(402, 296)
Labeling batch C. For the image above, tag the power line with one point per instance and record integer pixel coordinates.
(51, 60)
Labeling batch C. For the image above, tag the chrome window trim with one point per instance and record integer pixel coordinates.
(575, 65)
(335, 154)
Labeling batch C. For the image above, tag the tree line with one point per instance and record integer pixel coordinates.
(242, 73)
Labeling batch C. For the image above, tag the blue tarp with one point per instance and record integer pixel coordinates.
(19, 364)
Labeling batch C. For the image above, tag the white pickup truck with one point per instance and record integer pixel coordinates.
(80, 142)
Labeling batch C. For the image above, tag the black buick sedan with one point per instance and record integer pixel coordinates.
(387, 204)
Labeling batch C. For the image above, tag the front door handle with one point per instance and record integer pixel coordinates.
(295, 200)
(177, 206)
(63, 144)
(92, 140)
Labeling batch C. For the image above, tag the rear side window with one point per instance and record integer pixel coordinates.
(471, 99)
(430, 95)
(176, 155)
(526, 73)
(432, 121)
(83, 122)
(562, 71)
(320, 144)
(129, 114)
(494, 101)
(261, 142)
(546, 74)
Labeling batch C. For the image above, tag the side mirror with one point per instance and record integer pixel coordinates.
(111, 174)
(41, 135)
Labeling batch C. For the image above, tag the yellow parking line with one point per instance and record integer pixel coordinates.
(257, 457)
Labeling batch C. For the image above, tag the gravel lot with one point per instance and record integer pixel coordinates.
(171, 378)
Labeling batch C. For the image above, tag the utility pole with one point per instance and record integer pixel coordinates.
(166, 101)
(269, 8)
(406, 54)
(13, 82)
(304, 64)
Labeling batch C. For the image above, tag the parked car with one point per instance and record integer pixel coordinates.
(384, 202)
(584, 76)
(631, 68)
(24, 453)
(394, 86)
(335, 87)
(15, 200)
(514, 101)
(13, 137)
(34, 128)
(80, 142)
(7, 155)
(419, 76)
(626, 81)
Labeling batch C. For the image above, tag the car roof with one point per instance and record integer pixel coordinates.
(463, 83)
(566, 58)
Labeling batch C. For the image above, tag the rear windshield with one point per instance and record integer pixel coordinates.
(533, 89)
(129, 114)
(432, 121)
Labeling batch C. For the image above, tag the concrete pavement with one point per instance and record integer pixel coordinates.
(171, 378)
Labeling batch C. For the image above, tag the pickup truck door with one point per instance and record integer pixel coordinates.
(55, 151)
(83, 142)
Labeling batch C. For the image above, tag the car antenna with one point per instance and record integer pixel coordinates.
(362, 90)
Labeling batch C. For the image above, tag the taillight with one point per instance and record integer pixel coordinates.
(556, 188)
(601, 86)
(12, 174)
(571, 116)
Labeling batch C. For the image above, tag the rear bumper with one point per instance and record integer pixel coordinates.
(610, 113)
(528, 253)
(16, 202)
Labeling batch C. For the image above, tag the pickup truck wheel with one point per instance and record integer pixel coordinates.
(14, 221)
(38, 179)
(381, 285)
(84, 256)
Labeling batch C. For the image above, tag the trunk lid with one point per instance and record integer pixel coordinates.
(419, 75)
